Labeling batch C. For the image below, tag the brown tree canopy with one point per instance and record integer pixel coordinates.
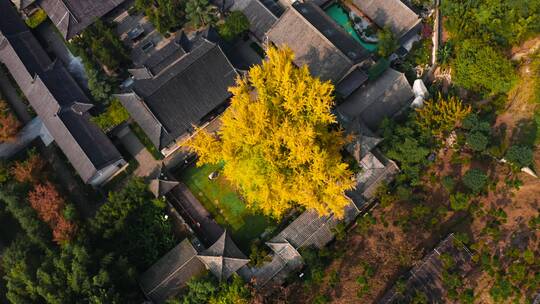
(9, 124)
(49, 205)
(28, 170)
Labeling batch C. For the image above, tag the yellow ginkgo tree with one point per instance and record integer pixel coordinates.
(439, 117)
(279, 141)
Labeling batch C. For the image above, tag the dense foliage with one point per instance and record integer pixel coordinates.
(475, 180)
(49, 205)
(519, 156)
(165, 15)
(29, 169)
(101, 43)
(235, 24)
(36, 18)
(480, 67)
(208, 290)
(129, 223)
(200, 13)
(441, 116)
(114, 115)
(277, 140)
(481, 31)
(503, 22)
(9, 124)
(409, 145)
(97, 265)
(387, 42)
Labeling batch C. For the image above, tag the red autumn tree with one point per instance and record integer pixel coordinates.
(28, 170)
(64, 231)
(49, 205)
(9, 124)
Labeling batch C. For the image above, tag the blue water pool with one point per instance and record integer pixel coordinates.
(338, 13)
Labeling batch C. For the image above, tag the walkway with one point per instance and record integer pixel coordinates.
(147, 163)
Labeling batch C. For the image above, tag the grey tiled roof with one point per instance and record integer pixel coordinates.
(170, 274)
(427, 276)
(181, 93)
(351, 82)
(55, 97)
(364, 140)
(223, 258)
(375, 170)
(317, 41)
(310, 229)
(161, 184)
(393, 13)
(73, 16)
(378, 99)
(284, 260)
(261, 18)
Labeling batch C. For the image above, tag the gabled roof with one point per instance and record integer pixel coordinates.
(171, 273)
(193, 82)
(374, 171)
(351, 82)
(317, 41)
(261, 17)
(223, 258)
(364, 140)
(73, 16)
(310, 229)
(377, 99)
(427, 276)
(393, 13)
(160, 184)
(55, 96)
(285, 259)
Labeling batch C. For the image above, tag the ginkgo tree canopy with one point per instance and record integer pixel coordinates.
(279, 141)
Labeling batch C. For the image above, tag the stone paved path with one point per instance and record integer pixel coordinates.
(147, 163)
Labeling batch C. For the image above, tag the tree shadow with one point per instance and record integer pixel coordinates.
(526, 132)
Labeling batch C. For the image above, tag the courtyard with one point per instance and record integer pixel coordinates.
(219, 197)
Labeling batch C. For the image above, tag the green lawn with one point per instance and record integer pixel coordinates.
(220, 199)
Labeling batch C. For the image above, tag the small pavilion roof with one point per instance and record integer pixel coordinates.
(223, 258)
(161, 184)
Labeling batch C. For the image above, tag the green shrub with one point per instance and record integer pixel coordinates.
(387, 43)
(477, 141)
(475, 180)
(36, 18)
(519, 156)
(481, 68)
(459, 201)
(364, 223)
(235, 24)
(112, 117)
(448, 183)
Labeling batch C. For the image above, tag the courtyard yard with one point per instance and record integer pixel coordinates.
(221, 200)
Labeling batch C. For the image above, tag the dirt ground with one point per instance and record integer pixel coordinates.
(393, 251)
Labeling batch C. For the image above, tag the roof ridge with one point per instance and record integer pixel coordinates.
(172, 274)
(266, 8)
(320, 34)
(187, 66)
